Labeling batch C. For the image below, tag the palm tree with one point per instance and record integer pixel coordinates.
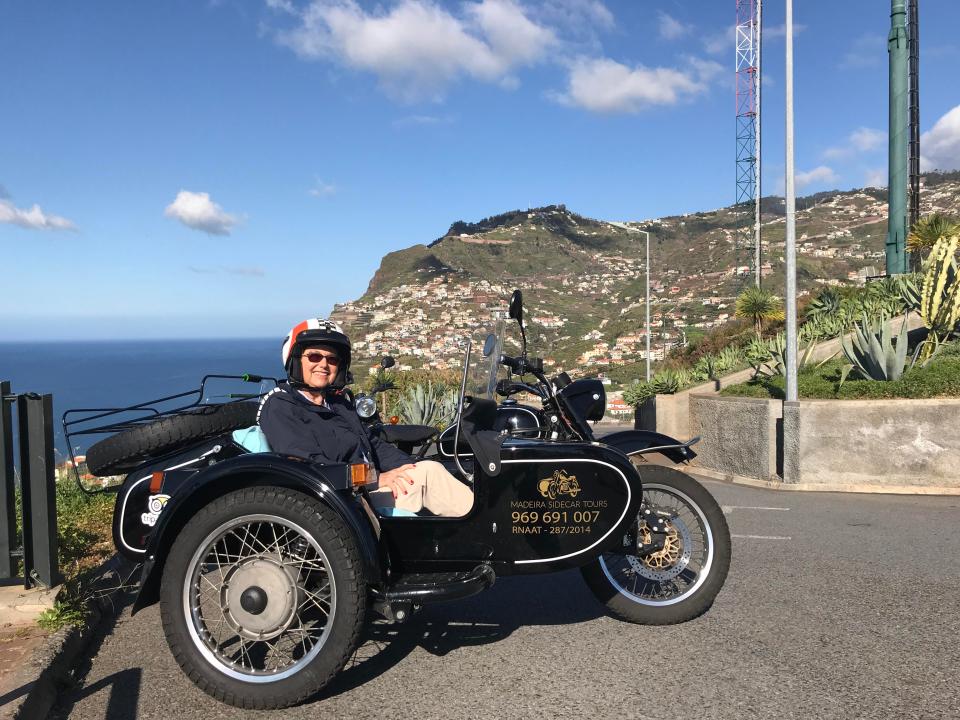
(759, 306)
(929, 229)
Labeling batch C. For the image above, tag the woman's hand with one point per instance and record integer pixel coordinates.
(398, 480)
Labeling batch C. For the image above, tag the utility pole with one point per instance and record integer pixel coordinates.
(648, 303)
(913, 38)
(897, 184)
(790, 254)
(759, 81)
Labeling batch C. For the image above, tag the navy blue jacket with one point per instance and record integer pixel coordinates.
(295, 426)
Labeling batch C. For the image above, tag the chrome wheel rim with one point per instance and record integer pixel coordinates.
(259, 598)
(689, 552)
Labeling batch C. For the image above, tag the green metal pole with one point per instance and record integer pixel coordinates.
(897, 186)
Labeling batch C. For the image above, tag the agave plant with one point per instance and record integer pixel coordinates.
(729, 358)
(823, 327)
(776, 364)
(707, 367)
(825, 304)
(940, 298)
(427, 405)
(872, 351)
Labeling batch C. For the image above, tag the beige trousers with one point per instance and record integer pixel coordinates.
(433, 488)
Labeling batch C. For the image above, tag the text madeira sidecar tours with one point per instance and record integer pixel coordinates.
(265, 566)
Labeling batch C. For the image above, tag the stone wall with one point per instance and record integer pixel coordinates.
(876, 442)
(738, 436)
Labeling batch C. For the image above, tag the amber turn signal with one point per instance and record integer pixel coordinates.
(394, 419)
(361, 474)
(156, 481)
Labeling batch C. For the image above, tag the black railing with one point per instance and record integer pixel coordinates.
(38, 490)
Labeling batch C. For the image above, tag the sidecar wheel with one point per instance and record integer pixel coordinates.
(262, 597)
(680, 581)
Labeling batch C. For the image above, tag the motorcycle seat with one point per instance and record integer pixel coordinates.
(415, 434)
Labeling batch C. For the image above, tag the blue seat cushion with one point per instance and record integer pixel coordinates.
(251, 439)
(394, 512)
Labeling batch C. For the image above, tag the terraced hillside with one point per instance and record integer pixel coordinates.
(583, 278)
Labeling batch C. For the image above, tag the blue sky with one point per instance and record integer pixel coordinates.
(225, 169)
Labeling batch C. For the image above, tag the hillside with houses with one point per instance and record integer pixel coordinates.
(583, 279)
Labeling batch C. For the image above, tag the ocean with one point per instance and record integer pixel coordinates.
(110, 374)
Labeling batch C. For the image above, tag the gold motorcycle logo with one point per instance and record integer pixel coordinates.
(559, 484)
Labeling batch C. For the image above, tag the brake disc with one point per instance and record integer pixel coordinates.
(671, 559)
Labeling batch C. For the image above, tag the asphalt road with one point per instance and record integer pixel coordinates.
(837, 606)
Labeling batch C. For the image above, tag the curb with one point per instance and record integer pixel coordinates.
(862, 488)
(51, 665)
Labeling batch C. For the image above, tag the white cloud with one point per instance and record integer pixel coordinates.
(819, 175)
(322, 189)
(670, 28)
(876, 177)
(417, 48)
(862, 140)
(606, 86)
(722, 42)
(867, 51)
(198, 211)
(940, 145)
(32, 219)
(242, 271)
(421, 120)
(577, 13)
(778, 31)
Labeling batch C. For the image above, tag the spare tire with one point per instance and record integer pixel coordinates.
(121, 453)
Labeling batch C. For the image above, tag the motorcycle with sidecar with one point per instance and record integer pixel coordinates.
(265, 566)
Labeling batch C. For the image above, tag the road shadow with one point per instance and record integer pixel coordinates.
(492, 616)
(124, 685)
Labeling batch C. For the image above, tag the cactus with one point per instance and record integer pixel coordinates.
(427, 405)
(940, 299)
(872, 352)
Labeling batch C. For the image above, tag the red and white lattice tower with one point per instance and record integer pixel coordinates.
(747, 236)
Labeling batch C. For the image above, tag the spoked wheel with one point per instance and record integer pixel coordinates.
(674, 559)
(262, 598)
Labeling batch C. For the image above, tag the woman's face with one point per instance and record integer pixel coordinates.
(319, 365)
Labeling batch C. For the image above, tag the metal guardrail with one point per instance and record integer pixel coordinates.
(38, 490)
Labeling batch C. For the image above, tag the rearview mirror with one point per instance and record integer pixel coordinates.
(387, 362)
(516, 306)
(489, 344)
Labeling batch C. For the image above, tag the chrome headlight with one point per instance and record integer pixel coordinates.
(366, 407)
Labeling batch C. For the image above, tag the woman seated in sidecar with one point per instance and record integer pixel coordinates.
(308, 417)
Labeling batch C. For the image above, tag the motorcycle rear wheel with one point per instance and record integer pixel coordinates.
(679, 582)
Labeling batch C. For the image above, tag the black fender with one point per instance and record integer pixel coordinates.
(633, 442)
(330, 484)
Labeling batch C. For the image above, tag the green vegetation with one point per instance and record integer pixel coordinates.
(84, 535)
(428, 404)
(929, 229)
(759, 306)
(938, 379)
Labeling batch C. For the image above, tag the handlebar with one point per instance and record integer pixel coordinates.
(506, 388)
(523, 365)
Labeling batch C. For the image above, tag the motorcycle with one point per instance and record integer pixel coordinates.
(265, 566)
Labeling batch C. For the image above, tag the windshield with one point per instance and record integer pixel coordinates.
(482, 361)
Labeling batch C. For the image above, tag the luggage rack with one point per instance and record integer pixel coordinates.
(76, 422)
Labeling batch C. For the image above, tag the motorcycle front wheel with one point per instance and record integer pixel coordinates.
(680, 579)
